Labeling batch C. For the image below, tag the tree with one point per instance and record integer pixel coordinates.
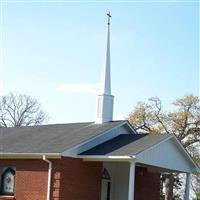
(184, 122)
(195, 150)
(196, 186)
(20, 110)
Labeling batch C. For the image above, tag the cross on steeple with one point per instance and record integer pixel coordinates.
(109, 16)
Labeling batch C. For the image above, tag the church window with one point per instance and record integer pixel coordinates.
(105, 185)
(7, 181)
(106, 175)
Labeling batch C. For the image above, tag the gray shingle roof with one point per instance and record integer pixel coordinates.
(49, 138)
(127, 144)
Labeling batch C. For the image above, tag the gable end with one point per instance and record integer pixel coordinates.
(123, 128)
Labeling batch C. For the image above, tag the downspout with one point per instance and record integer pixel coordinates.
(49, 176)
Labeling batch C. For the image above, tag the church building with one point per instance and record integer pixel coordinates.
(101, 160)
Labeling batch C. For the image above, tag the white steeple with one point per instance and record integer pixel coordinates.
(105, 99)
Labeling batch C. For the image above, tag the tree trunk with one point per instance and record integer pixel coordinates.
(169, 184)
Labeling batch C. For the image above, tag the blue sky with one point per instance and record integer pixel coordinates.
(54, 52)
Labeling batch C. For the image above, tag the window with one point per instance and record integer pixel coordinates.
(7, 181)
(105, 185)
(106, 175)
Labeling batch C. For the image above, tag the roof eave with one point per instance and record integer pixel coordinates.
(106, 158)
(29, 155)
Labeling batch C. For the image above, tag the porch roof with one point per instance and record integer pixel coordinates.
(159, 150)
(127, 144)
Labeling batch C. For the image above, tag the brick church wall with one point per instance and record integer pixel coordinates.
(71, 178)
(147, 184)
(30, 180)
(74, 179)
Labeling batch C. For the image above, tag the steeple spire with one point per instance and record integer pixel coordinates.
(105, 99)
(105, 82)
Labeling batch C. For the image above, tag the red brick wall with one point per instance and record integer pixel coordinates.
(31, 179)
(74, 179)
(147, 184)
(71, 179)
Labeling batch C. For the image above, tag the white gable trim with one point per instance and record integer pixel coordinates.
(131, 127)
(186, 152)
(168, 154)
(99, 139)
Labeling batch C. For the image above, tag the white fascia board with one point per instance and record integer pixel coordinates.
(131, 127)
(107, 158)
(92, 142)
(29, 155)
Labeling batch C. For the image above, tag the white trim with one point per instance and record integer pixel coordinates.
(131, 127)
(74, 150)
(186, 152)
(107, 158)
(131, 189)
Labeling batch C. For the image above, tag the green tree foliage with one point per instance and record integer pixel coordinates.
(183, 121)
(20, 110)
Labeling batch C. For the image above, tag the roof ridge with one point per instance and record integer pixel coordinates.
(43, 125)
(71, 123)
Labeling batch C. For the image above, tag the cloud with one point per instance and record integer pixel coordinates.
(78, 87)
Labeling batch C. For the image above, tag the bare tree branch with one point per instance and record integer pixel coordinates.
(20, 110)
